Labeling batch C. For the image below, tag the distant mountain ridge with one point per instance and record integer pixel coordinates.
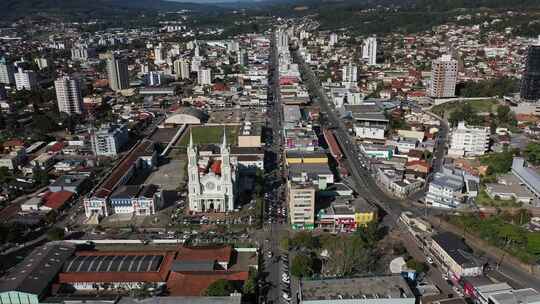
(92, 8)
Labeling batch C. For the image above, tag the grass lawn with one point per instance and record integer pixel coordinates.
(488, 105)
(210, 135)
(484, 200)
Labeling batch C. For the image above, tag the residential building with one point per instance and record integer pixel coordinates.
(242, 57)
(25, 80)
(109, 139)
(301, 204)
(469, 140)
(153, 79)
(6, 72)
(445, 190)
(387, 289)
(82, 53)
(68, 95)
(369, 50)
(444, 72)
(159, 55)
(182, 68)
(455, 257)
(204, 77)
(117, 70)
(41, 63)
(333, 39)
(349, 73)
(530, 81)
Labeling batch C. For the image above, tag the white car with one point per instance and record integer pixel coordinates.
(429, 260)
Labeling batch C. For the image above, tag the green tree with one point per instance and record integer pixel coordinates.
(504, 114)
(532, 151)
(219, 288)
(302, 266)
(251, 283)
(419, 267)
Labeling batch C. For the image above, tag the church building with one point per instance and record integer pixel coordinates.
(212, 183)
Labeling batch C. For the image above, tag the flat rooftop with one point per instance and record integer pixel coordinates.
(373, 287)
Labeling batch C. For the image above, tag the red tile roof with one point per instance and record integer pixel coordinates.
(220, 254)
(55, 200)
(116, 175)
(194, 284)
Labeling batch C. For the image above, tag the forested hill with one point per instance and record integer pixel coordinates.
(83, 9)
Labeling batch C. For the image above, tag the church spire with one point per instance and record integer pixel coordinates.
(190, 139)
(224, 144)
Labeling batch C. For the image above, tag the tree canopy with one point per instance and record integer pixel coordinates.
(220, 288)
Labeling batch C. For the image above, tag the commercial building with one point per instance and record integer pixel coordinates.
(444, 72)
(25, 80)
(369, 50)
(445, 190)
(468, 140)
(528, 176)
(109, 139)
(68, 95)
(390, 289)
(141, 158)
(117, 69)
(6, 72)
(301, 204)
(136, 200)
(455, 257)
(530, 82)
(30, 281)
(153, 79)
(516, 296)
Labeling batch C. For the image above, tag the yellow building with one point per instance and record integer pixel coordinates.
(307, 157)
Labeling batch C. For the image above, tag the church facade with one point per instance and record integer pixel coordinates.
(211, 180)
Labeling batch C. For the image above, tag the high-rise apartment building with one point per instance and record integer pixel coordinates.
(109, 139)
(153, 79)
(182, 68)
(159, 57)
(282, 39)
(349, 73)
(117, 69)
(41, 62)
(82, 53)
(205, 77)
(369, 50)
(333, 39)
(68, 95)
(444, 72)
(25, 80)
(6, 72)
(242, 57)
(530, 82)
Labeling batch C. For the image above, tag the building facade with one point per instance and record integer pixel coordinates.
(301, 205)
(68, 95)
(469, 140)
(444, 72)
(530, 82)
(6, 72)
(117, 70)
(369, 50)
(108, 140)
(25, 80)
(211, 183)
